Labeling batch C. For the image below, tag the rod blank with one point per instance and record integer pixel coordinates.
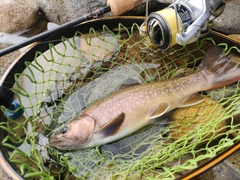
(54, 31)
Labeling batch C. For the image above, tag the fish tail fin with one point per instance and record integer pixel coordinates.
(222, 69)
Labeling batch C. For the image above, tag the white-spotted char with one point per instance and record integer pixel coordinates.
(127, 110)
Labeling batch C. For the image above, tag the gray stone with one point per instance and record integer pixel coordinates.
(228, 22)
(63, 11)
(227, 169)
(17, 15)
(233, 1)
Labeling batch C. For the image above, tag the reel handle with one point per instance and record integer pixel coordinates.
(121, 6)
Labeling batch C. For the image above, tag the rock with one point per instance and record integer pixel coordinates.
(17, 15)
(223, 93)
(224, 171)
(60, 12)
(202, 117)
(227, 169)
(236, 120)
(233, 1)
(228, 22)
(40, 26)
(234, 163)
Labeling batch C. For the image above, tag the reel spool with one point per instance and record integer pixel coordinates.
(181, 23)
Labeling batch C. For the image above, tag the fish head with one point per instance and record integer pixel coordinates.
(73, 135)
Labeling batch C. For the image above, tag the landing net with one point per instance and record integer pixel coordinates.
(59, 83)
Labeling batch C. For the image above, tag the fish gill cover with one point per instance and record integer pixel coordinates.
(64, 80)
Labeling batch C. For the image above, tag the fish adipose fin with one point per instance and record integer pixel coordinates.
(222, 70)
(192, 100)
(112, 127)
(159, 111)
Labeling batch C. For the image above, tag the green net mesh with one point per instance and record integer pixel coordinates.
(60, 82)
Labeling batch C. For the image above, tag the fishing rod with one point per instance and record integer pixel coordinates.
(116, 7)
(53, 31)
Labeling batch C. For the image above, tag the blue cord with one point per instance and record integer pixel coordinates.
(15, 111)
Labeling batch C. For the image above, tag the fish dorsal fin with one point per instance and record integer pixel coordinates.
(112, 127)
(192, 100)
(159, 111)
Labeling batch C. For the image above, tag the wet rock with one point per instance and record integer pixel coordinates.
(104, 47)
(64, 11)
(225, 171)
(233, 1)
(40, 26)
(234, 162)
(24, 159)
(200, 117)
(206, 176)
(223, 93)
(237, 116)
(228, 169)
(60, 12)
(19, 127)
(56, 11)
(17, 15)
(228, 22)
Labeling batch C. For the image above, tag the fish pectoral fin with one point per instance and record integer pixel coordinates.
(112, 127)
(159, 111)
(192, 100)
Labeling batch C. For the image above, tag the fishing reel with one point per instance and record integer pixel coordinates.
(182, 22)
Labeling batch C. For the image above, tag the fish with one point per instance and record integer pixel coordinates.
(125, 111)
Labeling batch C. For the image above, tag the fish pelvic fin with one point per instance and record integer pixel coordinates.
(222, 69)
(192, 100)
(159, 111)
(112, 127)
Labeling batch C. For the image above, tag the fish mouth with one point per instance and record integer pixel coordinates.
(59, 141)
(62, 144)
(54, 141)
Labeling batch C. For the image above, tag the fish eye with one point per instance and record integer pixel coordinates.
(64, 130)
